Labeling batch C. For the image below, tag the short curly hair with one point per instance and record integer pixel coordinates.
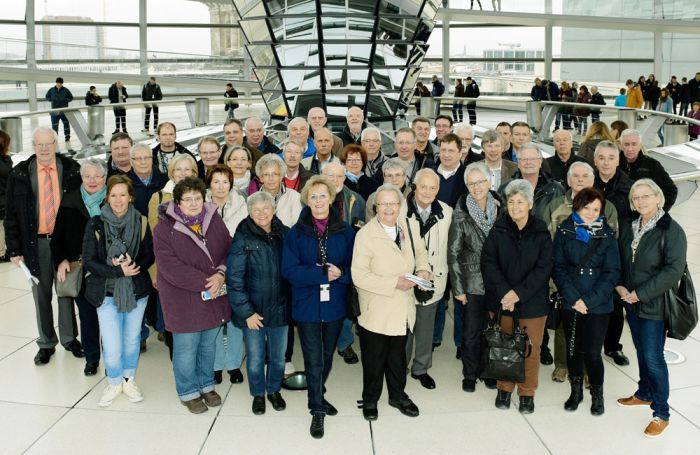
(187, 185)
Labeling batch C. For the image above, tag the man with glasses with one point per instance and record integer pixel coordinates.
(255, 137)
(443, 125)
(146, 177)
(119, 161)
(35, 188)
(296, 175)
(465, 132)
(405, 150)
(371, 140)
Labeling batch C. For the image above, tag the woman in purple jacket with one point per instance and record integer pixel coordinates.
(191, 244)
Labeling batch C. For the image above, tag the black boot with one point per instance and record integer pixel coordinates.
(576, 393)
(597, 406)
(503, 399)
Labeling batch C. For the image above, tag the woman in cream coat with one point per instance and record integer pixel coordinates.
(382, 257)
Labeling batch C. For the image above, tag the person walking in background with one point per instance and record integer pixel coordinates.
(59, 96)
(664, 104)
(674, 91)
(457, 110)
(230, 105)
(635, 97)
(5, 169)
(686, 96)
(421, 91)
(151, 92)
(471, 90)
(694, 130)
(91, 97)
(117, 94)
(596, 98)
(584, 97)
(438, 87)
(621, 99)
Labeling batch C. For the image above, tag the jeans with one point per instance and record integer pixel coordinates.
(229, 355)
(346, 337)
(649, 337)
(120, 338)
(318, 341)
(193, 362)
(267, 342)
(89, 329)
(587, 338)
(440, 323)
(457, 112)
(54, 123)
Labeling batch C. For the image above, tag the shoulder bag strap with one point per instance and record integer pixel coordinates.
(410, 236)
(589, 253)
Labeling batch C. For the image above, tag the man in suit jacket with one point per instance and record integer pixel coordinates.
(493, 144)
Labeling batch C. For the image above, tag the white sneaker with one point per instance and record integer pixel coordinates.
(289, 368)
(109, 394)
(132, 391)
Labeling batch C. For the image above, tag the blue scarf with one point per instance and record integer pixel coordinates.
(352, 177)
(93, 201)
(584, 230)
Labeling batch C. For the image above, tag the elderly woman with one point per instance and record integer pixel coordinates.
(238, 159)
(258, 296)
(586, 269)
(383, 257)
(316, 262)
(434, 218)
(191, 242)
(77, 207)
(472, 220)
(653, 255)
(516, 261)
(394, 173)
(270, 169)
(232, 208)
(354, 158)
(117, 251)
(209, 153)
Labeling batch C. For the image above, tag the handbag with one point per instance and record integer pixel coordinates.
(353, 308)
(422, 295)
(73, 282)
(680, 308)
(503, 355)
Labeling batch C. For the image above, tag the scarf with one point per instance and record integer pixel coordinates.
(122, 236)
(483, 219)
(93, 201)
(585, 230)
(639, 231)
(192, 222)
(243, 182)
(352, 177)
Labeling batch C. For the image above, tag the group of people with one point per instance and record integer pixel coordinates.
(252, 244)
(467, 89)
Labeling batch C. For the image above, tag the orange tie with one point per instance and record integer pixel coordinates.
(49, 207)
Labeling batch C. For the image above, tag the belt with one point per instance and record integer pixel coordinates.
(44, 236)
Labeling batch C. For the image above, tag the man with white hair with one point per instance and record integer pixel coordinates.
(371, 140)
(465, 132)
(255, 137)
(563, 157)
(298, 130)
(323, 152)
(355, 125)
(296, 175)
(317, 119)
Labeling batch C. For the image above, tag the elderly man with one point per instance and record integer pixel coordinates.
(296, 175)
(443, 125)
(520, 135)
(317, 119)
(34, 190)
(450, 170)
(502, 170)
(119, 161)
(579, 176)
(637, 165)
(504, 129)
(405, 150)
(233, 135)
(393, 171)
(255, 137)
(298, 130)
(351, 208)
(465, 132)
(371, 140)
(421, 126)
(323, 152)
(434, 218)
(167, 147)
(563, 157)
(355, 125)
(145, 176)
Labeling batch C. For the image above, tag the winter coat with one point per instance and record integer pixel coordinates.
(92, 100)
(234, 212)
(67, 238)
(558, 168)
(471, 90)
(594, 281)
(233, 93)
(459, 91)
(5, 169)
(350, 206)
(185, 262)
(59, 98)
(538, 93)
(584, 98)
(348, 137)
(158, 156)
(300, 266)
(115, 94)
(151, 92)
(438, 89)
(653, 270)
(616, 191)
(546, 191)
(97, 271)
(635, 98)
(560, 209)
(254, 274)
(598, 99)
(265, 147)
(520, 260)
(143, 192)
(674, 91)
(464, 244)
(364, 186)
(694, 129)
(22, 207)
(646, 167)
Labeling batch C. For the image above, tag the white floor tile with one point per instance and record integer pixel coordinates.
(22, 424)
(9, 344)
(9, 294)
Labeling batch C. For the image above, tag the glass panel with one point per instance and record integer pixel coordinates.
(75, 42)
(81, 11)
(295, 55)
(402, 7)
(301, 7)
(13, 44)
(396, 29)
(168, 39)
(381, 106)
(292, 79)
(262, 55)
(306, 102)
(256, 30)
(334, 27)
(300, 28)
(338, 104)
(275, 103)
(177, 11)
(360, 27)
(430, 10)
(274, 6)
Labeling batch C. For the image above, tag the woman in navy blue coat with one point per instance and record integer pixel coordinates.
(316, 262)
(586, 289)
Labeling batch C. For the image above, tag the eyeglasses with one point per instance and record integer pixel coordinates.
(319, 197)
(529, 160)
(93, 177)
(477, 183)
(353, 160)
(270, 175)
(142, 159)
(388, 204)
(643, 197)
(371, 141)
(191, 200)
(44, 146)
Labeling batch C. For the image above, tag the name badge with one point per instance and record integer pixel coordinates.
(325, 290)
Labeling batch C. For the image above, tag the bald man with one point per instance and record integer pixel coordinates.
(317, 119)
(324, 152)
(355, 125)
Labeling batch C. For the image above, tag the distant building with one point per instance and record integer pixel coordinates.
(68, 42)
(511, 67)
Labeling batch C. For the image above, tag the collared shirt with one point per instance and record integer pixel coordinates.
(146, 181)
(495, 178)
(445, 173)
(424, 213)
(40, 172)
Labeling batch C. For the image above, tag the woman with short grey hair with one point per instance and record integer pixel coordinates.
(259, 198)
(522, 188)
(271, 169)
(99, 165)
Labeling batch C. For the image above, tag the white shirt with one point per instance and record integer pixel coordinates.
(495, 178)
(445, 173)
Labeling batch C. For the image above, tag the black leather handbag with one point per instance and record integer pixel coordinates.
(503, 355)
(422, 295)
(680, 308)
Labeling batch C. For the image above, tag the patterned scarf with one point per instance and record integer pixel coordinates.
(483, 219)
(122, 236)
(192, 222)
(639, 231)
(585, 230)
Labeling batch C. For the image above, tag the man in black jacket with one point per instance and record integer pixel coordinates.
(563, 157)
(596, 98)
(151, 92)
(117, 95)
(34, 192)
(638, 165)
(471, 90)
(167, 147)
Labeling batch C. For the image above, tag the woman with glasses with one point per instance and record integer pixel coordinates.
(354, 158)
(270, 168)
(209, 153)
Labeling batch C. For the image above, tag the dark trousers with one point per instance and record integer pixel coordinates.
(457, 112)
(382, 356)
(471, 109)
(147, 118)
(685, 106)
(54, 123)
(89, 329)
(475, 318)
(586, 332)
(119, 119)
(615, 326)
(318, 340)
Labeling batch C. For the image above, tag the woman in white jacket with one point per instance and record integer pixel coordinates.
(271, 169)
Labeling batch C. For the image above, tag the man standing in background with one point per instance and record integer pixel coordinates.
(151, 92)
(59, 96)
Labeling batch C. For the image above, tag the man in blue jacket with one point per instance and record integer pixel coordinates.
(59, 96)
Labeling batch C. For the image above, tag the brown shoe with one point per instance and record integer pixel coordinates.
(632, 401)
(559, 374)
(655, 427)
(212, 399)
(195, 405)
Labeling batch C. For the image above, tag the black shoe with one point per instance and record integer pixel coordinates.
(458, 355)
(259, 405)
(406, 407)
(469, 385)
(316, 428)
(330, 409)
(527, 405)
(75, 348)
(619, 358)
(43, 356)
(425, 380)
(143, 348)
(218, 377)
(369, 411)
(4, 258)
(490, 384)
(576, 396)
(546, 357)
(503, 400)
(90, 369)
(68, 138)
(278, 403)
(236, 376)
(597, 403)
(348, 354)
(115, 132)
(436, 345)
